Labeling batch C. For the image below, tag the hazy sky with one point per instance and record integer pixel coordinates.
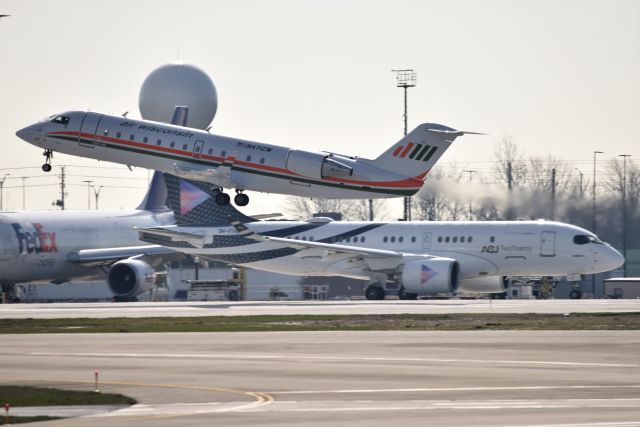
(561, 77)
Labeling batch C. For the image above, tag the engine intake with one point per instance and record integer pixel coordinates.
(316, 165)
(130, 277)
(430, 276)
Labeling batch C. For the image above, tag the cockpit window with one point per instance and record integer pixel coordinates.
(60, 119)
(583, 239)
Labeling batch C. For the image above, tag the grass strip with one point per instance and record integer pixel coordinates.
(420, 322)
(22, 420)
(37, 396)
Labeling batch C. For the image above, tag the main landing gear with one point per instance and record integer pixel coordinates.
(48, 154)
(240, 199)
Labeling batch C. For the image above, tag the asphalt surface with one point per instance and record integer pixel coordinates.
(247, 308)
(482, 378)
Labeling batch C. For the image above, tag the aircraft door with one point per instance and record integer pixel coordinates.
(197, 149)
(88, 129)
(548, 243)
(426, 241)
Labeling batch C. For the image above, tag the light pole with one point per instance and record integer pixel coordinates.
(88, 193)
(406, 79)
(470, 172)
(96, 191)
(624, 211)
(580, 188)
(1, 186)
(593, 216)
(24, 178)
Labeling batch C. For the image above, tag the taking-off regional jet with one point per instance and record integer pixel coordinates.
(239, 164)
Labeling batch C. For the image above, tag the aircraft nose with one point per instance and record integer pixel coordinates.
(612, 259)
(25, 133)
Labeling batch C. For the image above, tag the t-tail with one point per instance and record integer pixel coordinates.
(415, 154)
(193, 203)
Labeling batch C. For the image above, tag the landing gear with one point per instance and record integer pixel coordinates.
(374, 292)
(48, 154)
(241, 199)
(402, 294)
(223, 199)
(575, 294)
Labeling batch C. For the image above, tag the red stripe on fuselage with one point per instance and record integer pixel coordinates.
(415, 182)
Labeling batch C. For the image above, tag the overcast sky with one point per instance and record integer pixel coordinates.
(561, 77)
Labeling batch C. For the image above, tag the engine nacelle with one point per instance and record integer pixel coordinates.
(484, 285)
(130, 277)
(430, 276)
(316, 165)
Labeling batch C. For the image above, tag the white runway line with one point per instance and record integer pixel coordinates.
(333, 358)
(449, 389)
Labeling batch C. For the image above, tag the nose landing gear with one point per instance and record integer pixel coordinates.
(48, 154)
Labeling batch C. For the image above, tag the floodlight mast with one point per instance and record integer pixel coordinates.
(405, 79)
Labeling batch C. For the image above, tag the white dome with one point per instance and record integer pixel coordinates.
(177, 84)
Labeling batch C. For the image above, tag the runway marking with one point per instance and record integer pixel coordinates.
(259, 398)
(514, 388)
(605, 424)
(329, 358)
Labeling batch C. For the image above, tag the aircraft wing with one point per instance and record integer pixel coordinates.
(108, 256)
(197, 240)
(368, 259)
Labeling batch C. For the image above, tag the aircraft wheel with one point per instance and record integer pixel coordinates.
(402, 294)
(241, 199)
(223, 199)
(575, 294)
(374, 292)
(46, 167)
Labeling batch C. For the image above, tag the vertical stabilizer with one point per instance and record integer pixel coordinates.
(155, 199)
(193, 203)
(415, 154)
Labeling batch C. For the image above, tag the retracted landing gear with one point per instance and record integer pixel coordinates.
(48, 154)
(241, 199)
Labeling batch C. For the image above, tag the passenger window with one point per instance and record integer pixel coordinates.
(439, 239)
(131, 137)
(470, 239)
(210, 151)
(197, 149)
(413, 239)
(248, 158)
(455, 239)
(385, 239)
(348, 239)
(145, 139)
(159, 142)
(118, 135)
(184, 146)
(223, 154)
(173, 144)
(362, 239)
(462, 239)
(106, 132)
(492, 239)
(446, 239)
(400, 239)
(262, 160)
(393, 239)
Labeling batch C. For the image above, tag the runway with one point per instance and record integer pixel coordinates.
(248, 308)
(482, 378)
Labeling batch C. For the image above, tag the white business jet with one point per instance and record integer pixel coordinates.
(421, 258)
(239, 164)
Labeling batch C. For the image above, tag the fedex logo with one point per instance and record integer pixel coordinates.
(36, 240)
(415, 151)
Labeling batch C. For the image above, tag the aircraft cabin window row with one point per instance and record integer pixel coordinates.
(456, 239)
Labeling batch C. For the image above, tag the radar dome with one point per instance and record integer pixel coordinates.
(179, 84)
